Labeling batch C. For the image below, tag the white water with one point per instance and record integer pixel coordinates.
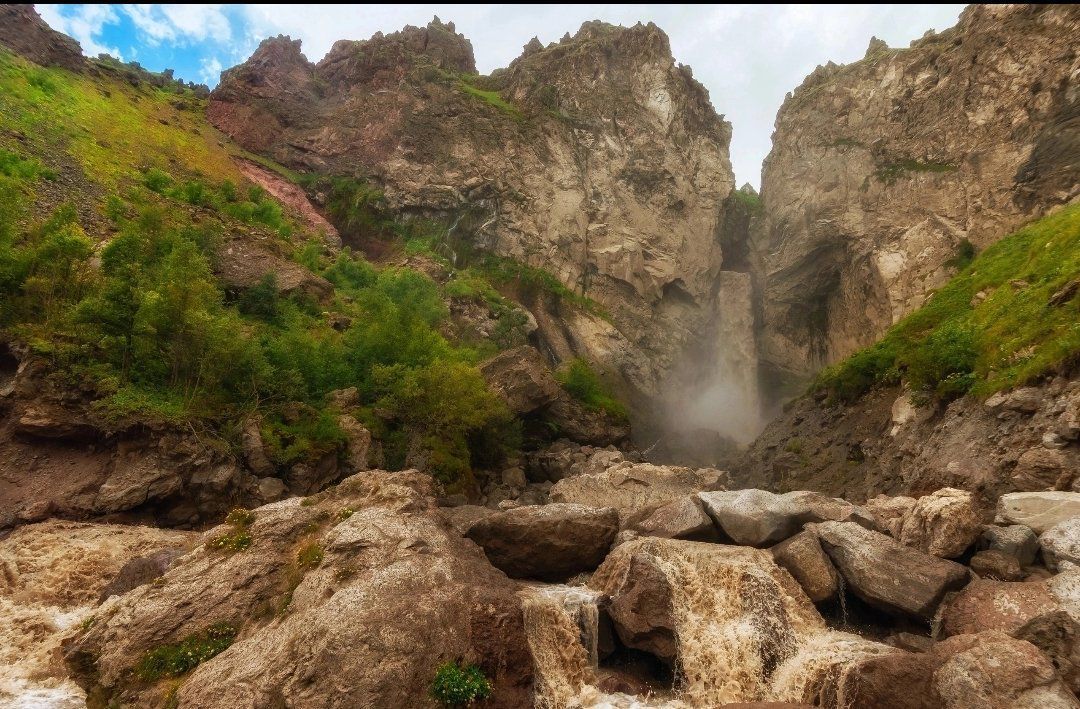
(30, 675)
(745, 633)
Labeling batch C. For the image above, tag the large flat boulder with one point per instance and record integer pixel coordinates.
(759, 518)
(1038, 510)
(683, 518)
(630, 487)
(547, 542)
(353, 597)
(887, 574)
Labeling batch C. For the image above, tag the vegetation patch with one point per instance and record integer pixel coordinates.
(189, 653)
(997, 324)
(457, 686)
(236, 539)
(890, 172)
(583, 383)
(310, 555)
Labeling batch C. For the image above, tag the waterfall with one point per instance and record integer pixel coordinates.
(746, 632)
(561, 625)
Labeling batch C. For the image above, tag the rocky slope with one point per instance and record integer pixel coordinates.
(884, 171)
(596, 158)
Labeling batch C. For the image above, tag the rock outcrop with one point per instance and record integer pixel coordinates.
(882, 170)
(597, 158)
(351, 599)
(24, 32)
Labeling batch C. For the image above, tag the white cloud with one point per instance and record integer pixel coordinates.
(83, 22)
(210, 70)
(179, 23)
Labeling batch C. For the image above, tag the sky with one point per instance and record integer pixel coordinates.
(748, 57)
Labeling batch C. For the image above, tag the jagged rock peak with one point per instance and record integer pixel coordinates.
(438, 42)
(876, 46)
(24, 32)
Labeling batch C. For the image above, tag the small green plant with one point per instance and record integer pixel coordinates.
(157, 181)
(344, 513)
(310, 556)
(965, 254)
(231, 542)
(239, 517)
(579, 379)
(457, 686)
(189, 653)
(238, 538)
(890, 172)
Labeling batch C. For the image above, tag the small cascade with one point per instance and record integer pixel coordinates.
(841, 592)
(745, 632)
(561, 624)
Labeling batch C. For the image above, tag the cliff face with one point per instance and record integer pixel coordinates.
(597, 159)
(881, 170)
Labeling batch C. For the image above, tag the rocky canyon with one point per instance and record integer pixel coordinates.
(371, 380)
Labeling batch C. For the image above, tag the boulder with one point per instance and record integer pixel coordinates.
(1057, 635)
(1015, 540)
(586, 425)
(641, 605)
(997, 565)
(808, 563)
(522, 377)
(996, 605)
(357, 443)
(463, 517)
(548, 542)
(989, 669)
(137, 477)
(887, 574)
(1041, 468)
(759, 518)
(683, 518)
(564, 459)
(1061, 543)
(944, 523)
(254, 449)
(891, 512)
(1038, 510)
(352, 598)
(270, 490)
(629, 487)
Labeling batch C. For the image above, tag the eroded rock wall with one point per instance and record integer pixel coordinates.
(882, 169)
(597, 158)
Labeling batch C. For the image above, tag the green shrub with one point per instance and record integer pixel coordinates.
(157, 181)
(579, 379)
(942, 367)
(189, 653)
(457, 686)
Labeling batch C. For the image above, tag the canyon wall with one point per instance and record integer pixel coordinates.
(883, 172)
(597, 158)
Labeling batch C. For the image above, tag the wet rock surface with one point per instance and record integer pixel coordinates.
(549, 542)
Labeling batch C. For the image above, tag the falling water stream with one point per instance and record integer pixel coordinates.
(745, 633)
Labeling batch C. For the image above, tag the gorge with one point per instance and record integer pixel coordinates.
(375, 381)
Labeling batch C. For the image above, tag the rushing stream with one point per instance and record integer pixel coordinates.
(744, 634)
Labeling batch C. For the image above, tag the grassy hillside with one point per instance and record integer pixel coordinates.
(1009, 317)
(116, 202)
